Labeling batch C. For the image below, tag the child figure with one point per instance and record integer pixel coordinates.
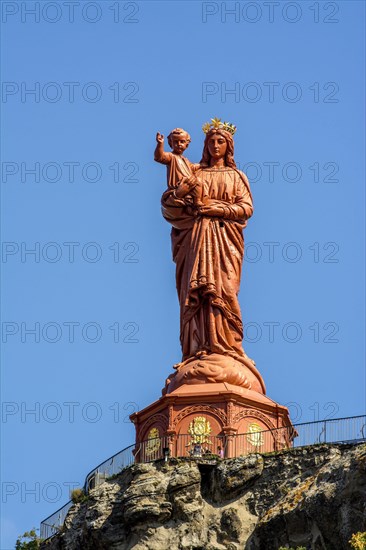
(178, 166)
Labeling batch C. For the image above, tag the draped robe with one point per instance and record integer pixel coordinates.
(208, 252)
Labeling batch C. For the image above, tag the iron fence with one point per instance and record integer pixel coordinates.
(52, 525)
(335, 430)
(113, 465)
(110, 467)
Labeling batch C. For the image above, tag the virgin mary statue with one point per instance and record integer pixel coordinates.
(208, 249)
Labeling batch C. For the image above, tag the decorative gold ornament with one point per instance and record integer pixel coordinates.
(200, 429)
(255, 436)
(216, 124)
(153, 441)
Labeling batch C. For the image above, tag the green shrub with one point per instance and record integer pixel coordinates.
(33, 542)
(78, 495)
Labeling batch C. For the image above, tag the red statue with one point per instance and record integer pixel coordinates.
(216, 398)
(208, 206)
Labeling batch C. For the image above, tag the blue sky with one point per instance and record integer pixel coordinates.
(103, 306)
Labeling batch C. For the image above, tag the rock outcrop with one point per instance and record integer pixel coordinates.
(313, 497)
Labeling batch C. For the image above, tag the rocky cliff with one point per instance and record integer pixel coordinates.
(313, 497)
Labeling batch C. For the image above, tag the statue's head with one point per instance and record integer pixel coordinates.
(217, 138)
(179, 140)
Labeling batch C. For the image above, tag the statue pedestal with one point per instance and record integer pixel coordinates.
(210, 417)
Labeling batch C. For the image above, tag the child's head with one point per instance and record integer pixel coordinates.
(179, 140)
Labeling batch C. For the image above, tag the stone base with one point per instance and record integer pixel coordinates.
(200, 418)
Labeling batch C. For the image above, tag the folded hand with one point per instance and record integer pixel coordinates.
(213, 210)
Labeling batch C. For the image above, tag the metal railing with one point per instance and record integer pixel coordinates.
(335, 430)
(113, 465)
(110, 467)
(53, 524)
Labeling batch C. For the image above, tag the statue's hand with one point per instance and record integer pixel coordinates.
(159, 138)
(185, 186)
(213, 210)
(191, 182)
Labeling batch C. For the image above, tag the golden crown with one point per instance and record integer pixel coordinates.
(216, 124)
